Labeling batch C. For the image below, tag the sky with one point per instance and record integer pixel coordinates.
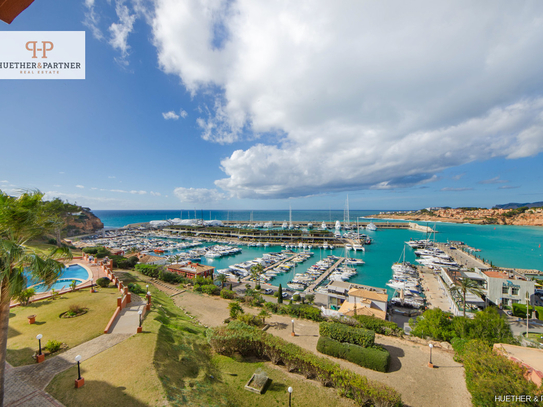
(268, 104)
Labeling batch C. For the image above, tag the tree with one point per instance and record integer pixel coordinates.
(21, 219)
(256, 271)
(235, 309)
(310, 298)
(222, 279)
(264, 314)
(466, 285)
(280, 295)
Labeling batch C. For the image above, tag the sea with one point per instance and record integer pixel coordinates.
(503, 245)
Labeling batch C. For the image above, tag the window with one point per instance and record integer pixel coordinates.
(505, 289)
(514, 291)
(505, 301)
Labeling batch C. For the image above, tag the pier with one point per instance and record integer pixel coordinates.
(324, 276)
(280, 262)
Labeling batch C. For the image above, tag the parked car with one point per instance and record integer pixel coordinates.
(285, 295)
(268, 291)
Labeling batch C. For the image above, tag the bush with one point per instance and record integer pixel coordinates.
(149, 270)
(53, 346)
(240, 338)
(379, 326)
(76, 308)
(519, 310)
(296, 297)
(197, 288)
(25, 296)
(344, 333)
(250, 319)
(489, 374)
(228, 294)
(136, 288)
(103, 282)
(372, 358)
(211, 289)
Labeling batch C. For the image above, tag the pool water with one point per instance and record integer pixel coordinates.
(70, 273)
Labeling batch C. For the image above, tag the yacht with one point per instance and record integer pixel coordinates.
(371, 226)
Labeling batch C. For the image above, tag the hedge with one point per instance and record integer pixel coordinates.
(211, 289)
(379, 326)
(371, 358)
(519, 310)
(227, 294)
(305, 311)
(344, 333)
(240, 338)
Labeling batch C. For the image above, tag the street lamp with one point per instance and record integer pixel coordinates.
(139, 314)
(78, 360)
(290, 397)
(38, 337)
(292, 327)
(430, 346)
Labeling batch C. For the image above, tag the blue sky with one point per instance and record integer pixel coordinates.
(262, 105)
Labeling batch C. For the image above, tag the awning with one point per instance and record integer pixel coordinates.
(9, 9)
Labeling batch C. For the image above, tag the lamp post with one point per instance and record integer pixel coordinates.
(79, 381)
(40, 357)
(92, 285)
(292, 333)
(290, 396)
(140, 329)
(430, 364)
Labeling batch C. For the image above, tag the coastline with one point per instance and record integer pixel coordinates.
(536, 221)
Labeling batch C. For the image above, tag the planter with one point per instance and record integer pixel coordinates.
(31, 319)
(258, 383)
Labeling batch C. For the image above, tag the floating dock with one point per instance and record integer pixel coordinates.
(324, 276)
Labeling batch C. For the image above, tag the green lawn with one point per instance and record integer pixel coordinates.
(171, 360)
(22, 342)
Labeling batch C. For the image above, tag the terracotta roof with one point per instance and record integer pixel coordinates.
(191, 268)
(146, 258)
(496, 274)
(370, 295)
(9, 9)
(347, 308)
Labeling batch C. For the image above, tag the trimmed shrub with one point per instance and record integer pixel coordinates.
(228, 294)
(24, 296)
(103, 282)
(211, 289)
(379, 326)
(372, 358)
(344, 333)
(519, 310)
(241, 338)
(296, 297)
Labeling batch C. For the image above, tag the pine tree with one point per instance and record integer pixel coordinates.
(280, 295)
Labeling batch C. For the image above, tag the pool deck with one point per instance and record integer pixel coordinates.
(95, 272)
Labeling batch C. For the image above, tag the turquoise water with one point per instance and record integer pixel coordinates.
(70, 273)
(505, 246)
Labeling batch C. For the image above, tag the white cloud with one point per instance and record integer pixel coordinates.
(111, 176)
(155, 193)
(5, 182)
(458, 176)
(121, 30)
(198, 195)
(355, 96)
(495, 180)
(80, 186)
(138, 192)
(171, 115)
(92, 20)
(119, 190)
(183, 113)
(456, 189)
(86, 200)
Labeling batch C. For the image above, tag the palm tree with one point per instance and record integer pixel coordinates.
(22, 219)
(264, 314)
(463, 287)
(256, 271)
(222, 279)
(235, 309)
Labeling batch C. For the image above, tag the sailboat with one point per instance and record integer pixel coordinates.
(290, 226)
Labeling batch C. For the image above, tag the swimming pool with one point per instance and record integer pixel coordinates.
(70, 273)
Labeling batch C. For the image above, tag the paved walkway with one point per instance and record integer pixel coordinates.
(25, 385)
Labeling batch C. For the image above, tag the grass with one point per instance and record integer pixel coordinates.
(44, 248)
(237, 371)
(171, 363)
(22, 342)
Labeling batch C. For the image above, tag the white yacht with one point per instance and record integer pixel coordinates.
(371, 226)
